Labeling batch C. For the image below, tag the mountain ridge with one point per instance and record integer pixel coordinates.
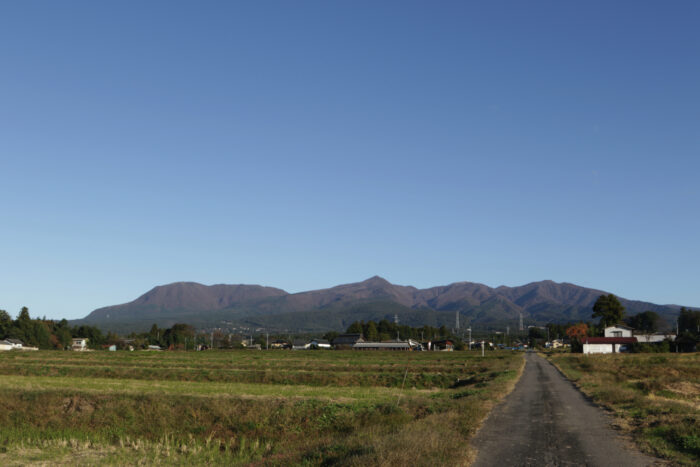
(241, 305)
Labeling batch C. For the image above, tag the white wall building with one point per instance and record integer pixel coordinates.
(619, 330)
(79, 344)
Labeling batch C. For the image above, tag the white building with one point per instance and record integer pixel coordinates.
(5, 345)
(607, 344)
(79, 344)
(619, 330)
(654, 338)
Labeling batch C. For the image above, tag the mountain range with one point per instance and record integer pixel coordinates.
(253, 306)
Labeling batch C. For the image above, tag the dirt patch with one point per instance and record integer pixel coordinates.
(78, 404)
(685, 389)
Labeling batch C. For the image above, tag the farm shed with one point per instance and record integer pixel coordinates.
(607, 344)
(654, 338)
(346, 341)
(382, 346)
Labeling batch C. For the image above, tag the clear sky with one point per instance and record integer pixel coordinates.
(306, 144)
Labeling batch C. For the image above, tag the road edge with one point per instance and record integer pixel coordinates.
(510, 386)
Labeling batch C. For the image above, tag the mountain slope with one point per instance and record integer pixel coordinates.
(231, 306)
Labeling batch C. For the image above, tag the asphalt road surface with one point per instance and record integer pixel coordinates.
(546, 421)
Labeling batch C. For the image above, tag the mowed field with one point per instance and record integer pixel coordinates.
(655, 397)
(247, 407)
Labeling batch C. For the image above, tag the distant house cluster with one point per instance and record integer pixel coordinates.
(15, 344)
(357, 342)
(620, 338)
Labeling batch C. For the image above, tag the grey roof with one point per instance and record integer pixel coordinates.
(15, 341)
(381, 345)
(348, 339)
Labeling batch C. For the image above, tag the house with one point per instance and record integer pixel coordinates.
(5, 345)
(79, 344)
(556, 344)
(280, 344)
(346, 341)
(607, 344)
(619, 330)
(444, 345)
(301, 345)
(317, 344)
(16, 343)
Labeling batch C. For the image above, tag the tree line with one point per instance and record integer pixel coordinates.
(44, 333)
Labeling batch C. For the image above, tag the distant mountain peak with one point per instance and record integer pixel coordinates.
(376, 280)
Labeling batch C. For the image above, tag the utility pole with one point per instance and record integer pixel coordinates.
(212, 340)
(267, 343)
(457, 321)
(470, 337)
(522, 328)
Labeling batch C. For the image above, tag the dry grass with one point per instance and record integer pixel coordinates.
(329, 408)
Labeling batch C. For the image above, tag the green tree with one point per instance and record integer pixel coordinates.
(647, 321)
(689, 321)
(5, 324)
(372, 333)
(330, 335)
(23, 316)
(609, 309)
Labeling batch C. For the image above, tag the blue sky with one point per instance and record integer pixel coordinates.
(306, 144)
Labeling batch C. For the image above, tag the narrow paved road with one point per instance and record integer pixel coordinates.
(546, 421)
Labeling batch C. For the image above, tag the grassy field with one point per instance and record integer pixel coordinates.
(655, 397)
(247, 407)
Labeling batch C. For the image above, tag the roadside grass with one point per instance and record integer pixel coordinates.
(330, 408)
(655, 397)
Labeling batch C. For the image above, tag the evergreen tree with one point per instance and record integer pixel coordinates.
(5, 324)
(609, 309)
